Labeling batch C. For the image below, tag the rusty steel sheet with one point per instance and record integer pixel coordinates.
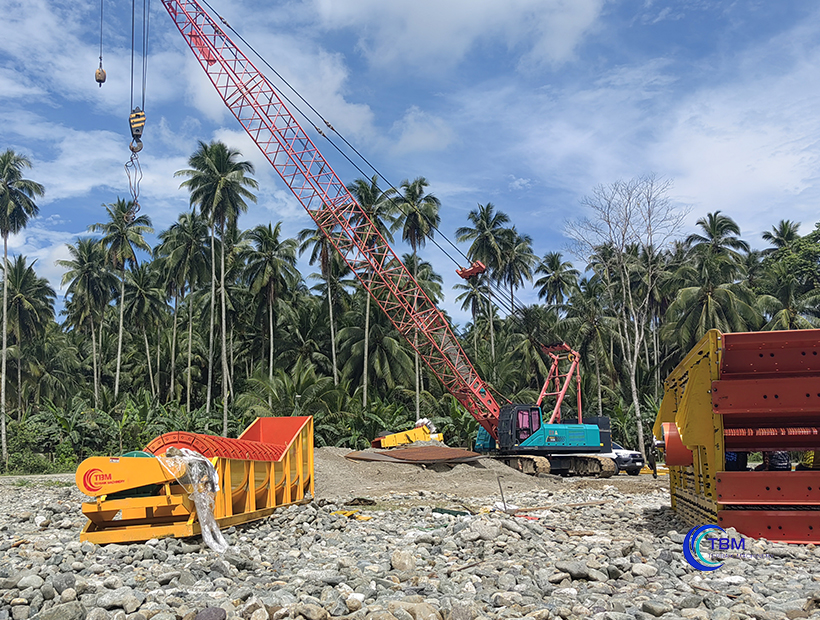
(419, 455)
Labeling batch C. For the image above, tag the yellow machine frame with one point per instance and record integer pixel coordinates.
(249, 489)
(687, 404)
(421, 433)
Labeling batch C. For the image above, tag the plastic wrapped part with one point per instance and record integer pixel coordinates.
(428, 423)
(198, 477)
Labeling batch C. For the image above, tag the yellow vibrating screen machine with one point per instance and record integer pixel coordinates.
(737, 394)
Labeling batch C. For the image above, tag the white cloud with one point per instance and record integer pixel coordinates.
(517, 184)
(420, 131)
(16, 87)
(746, 141)
(750, 148)
(432, 35)
(46, 245)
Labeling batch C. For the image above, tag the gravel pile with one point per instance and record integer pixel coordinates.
(618, 560)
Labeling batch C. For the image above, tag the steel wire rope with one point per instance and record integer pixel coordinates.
(133, 26)
(509, 305)
(146, 16)
(502, 300)
(101, 31)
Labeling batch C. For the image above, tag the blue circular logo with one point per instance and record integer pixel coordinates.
(691, 548)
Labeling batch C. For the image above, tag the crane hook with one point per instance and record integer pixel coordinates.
(99, 74)
(137, 123)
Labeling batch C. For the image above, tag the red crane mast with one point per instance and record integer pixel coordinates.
(259, 109)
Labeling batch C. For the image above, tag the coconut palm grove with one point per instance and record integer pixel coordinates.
(214, 325)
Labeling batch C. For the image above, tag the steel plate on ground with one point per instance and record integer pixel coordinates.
(421, 455)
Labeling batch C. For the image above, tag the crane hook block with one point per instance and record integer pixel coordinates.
(473, 270)
(137, 122)
(99, 75)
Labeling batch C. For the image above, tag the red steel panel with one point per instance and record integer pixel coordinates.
(279, 430)
(788, 526)
(764, 488)
(753, 354)
(780, 396)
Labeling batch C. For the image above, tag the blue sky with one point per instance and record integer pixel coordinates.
(527, 104)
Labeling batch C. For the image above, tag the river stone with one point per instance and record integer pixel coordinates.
(656, 608)
(30, 581)
(401, 614)
(211, 613)
(47, 591)
(644, 570)
(121, 597)
(311, 611)
(576, 570)
(380, 614)
(69, 594)
(66, 611)
(403, 561)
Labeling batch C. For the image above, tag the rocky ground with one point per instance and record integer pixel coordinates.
(618, 556)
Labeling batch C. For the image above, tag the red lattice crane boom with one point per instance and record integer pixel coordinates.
(260, 110)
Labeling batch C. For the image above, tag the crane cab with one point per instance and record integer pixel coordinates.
(522, 429)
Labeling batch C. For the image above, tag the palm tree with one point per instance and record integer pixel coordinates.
(721, 236)
(58, 365)
(752, 268)
(186, 262)
(559, 281)
(428, 280)
(305, 334)
(517, 261)
(30, 308)
(391, 366)
(219, 184)
(782, 235)
(589, 326)
(380, 210)
(708, 299)
(785, 305)
(17, 206)
(121, 234)
(487, 236)
(330, 266)
(144, 303)
(474, 291)
(271, 269)
(421, 218)
(525, 332)
(90, 285)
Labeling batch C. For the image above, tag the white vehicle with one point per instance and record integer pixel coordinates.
(625, 460)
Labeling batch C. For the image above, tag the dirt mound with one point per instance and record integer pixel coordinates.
(341, 478)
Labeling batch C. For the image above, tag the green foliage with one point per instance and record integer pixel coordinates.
(90, 386)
